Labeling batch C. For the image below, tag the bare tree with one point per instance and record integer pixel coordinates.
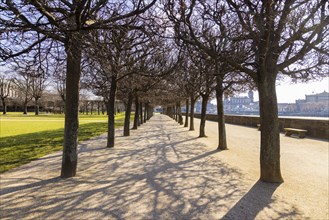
(285, 38)
(199, 32)
(38, 86)
(59, 77)
(5, 89)
(204, 65)
(281, 37)
(120, 48)
(23, 82)
(28, 24)
(185, 81)
(127, 95)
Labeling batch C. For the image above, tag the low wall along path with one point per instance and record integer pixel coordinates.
(316, 128)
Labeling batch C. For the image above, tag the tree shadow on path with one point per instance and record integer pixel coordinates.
(151, 175)
(260, 198)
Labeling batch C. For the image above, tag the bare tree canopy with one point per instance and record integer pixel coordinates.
(273, 37)
(176, 52)
(32, 25)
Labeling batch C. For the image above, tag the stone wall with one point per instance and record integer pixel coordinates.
(317, 128)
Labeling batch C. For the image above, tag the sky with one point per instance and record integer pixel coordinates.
(288, 92)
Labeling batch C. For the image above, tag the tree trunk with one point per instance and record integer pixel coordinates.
(150, 112)
(270, 134)
(98, 108)
(172, 112)
(104, 106)
(145, 111)
(4, 104)
(126, 131)
(192, 114)
(86, 108)
(179, 112)
(202, 132)
(222, 145)
(176, 112)
(107, 107)
(73, 71)
(25, 108)
(4, 108)
(37, 110)
(36, 107)
(136, 112)
(116, 110)
(186, 113)
(111, 113)
(141, 112)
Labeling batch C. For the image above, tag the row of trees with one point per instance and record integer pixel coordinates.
(26, 87)
(169, 53)
(262, 40)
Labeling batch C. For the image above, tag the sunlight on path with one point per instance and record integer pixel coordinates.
(162, 171)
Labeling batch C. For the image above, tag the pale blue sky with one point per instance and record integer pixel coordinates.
(288, 92)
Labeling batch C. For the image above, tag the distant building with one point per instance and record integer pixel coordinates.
(241, 104)
(211, 108)
(287, 107)
(320, 97)
(313, 105)
(317, 104)
(245, 100)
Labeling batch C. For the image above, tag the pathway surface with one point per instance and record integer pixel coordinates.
(162, 171)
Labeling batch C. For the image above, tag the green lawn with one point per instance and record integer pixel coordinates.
(16, 124)
(26, 138)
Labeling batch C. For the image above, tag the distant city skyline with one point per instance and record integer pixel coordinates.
(288, 92)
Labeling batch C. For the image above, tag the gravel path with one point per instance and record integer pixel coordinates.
(162, 171)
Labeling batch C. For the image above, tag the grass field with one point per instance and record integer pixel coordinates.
(24, 138)
(17, 123)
